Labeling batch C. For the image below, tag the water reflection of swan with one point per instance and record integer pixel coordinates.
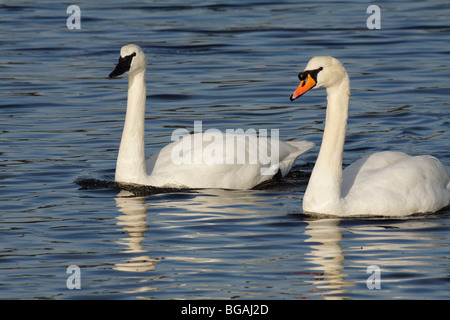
(134, 224)
(406, 246)
(328, 255)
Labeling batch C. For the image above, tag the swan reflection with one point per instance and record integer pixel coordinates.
(215, 233)
(394, 246)
(327, 254)
(134, 224)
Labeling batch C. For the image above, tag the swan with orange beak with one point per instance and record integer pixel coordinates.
(387, 183)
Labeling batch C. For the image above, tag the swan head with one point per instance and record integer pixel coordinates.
(321, 71)
(131, 60)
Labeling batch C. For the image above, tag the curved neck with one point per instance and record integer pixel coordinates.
(130, 166)
(323, 193)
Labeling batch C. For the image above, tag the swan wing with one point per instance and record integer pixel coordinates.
(212, 160)
(388, 182)
(358, 170)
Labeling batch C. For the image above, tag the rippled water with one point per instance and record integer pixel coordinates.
(230, 64)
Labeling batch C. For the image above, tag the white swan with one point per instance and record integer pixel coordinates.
(384, 183)
(220, 168)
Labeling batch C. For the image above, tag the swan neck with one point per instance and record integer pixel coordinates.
(130, 166)
(324, 189)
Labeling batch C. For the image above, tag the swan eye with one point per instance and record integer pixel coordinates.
(303, 75)
(127, 58)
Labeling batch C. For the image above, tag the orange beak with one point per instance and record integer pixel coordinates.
(303, 87)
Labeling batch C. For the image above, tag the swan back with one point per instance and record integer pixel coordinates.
(394, 183)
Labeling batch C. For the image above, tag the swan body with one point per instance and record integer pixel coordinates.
(221, 170)
(386, 183)
(209, 174)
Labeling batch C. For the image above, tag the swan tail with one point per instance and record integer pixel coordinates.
(301, 146)
(289, 152)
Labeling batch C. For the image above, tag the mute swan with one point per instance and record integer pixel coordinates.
(384, 183)
(162, 171)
